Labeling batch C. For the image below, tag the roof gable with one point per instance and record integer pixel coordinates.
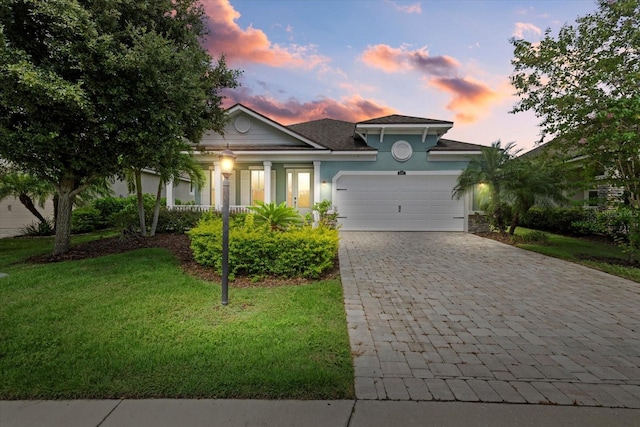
(248, 130)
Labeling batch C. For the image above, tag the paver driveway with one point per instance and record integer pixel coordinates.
(453, 316)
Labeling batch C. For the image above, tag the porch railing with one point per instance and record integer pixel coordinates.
(208, 208)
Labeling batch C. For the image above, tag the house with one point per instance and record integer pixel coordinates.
(390, 173)
(589, 189)
(14, 217)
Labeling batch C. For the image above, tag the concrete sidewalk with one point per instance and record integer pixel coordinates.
(282, 413)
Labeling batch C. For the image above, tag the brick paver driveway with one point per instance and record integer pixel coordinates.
(452, 316)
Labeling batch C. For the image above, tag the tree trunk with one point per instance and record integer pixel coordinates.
(156, 209)
(28, 203)
(514, 223)
(62, 240)
(56, 197)
(498, 215)
(143, 225)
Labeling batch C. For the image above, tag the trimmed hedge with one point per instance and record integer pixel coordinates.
(260, 252)
(557, 220)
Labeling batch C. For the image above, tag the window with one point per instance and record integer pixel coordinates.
(257, 186)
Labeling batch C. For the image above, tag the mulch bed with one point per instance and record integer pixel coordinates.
(179, 245)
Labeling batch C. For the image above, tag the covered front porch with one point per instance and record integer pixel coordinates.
(296, 183)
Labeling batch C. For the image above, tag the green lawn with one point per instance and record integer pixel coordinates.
(582, 251)
(134, 325)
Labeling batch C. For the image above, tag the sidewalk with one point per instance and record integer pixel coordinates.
(283, 413)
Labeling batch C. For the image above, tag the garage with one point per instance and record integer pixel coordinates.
(409, 202)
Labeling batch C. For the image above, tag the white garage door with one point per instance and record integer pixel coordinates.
(398, 202)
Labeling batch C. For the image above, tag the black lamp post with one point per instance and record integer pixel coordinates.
(226, 168)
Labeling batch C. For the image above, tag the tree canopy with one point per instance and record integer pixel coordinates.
(90, 87)
(584, 86)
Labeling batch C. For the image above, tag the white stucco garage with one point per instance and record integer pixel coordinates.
(415, 201)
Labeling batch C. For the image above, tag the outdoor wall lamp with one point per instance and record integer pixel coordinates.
(227, 159)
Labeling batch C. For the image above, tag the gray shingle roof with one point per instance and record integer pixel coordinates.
(451, 145)
(397, 119)
(336, 135)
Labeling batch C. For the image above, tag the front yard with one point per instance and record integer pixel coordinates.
(136, 325)
(598, 254)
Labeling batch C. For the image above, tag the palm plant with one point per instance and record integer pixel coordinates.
(276, 217)
(26, 188)
(533, 181)
(490, 168)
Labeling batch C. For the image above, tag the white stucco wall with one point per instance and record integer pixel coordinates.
(14, 216)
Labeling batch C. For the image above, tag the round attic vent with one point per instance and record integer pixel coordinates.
(401, 151)
(242, 124)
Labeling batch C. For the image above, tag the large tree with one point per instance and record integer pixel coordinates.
(87, 86)
(584, 86)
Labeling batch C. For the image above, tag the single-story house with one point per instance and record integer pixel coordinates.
(589, 191)
(390, 173)
(14, 217)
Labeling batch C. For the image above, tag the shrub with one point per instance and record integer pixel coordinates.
(85, 219)
(559, 220)
(108, 207)
(327, 214)
(258, 251)
(534, 237)
(39, 228)
(177, 222)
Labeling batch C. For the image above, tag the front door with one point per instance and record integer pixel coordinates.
(300, 189)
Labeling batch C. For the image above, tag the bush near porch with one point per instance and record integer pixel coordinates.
(258, 251)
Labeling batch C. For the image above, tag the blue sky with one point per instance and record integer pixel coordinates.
(358, 59)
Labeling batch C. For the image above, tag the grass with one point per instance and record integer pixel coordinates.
(591, 253)
(134, 325)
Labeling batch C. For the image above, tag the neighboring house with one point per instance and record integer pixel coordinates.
(182, 191)
(390, 173)
(14, 216)
(589, 193)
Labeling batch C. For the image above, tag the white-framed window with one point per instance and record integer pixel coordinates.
(257, 186)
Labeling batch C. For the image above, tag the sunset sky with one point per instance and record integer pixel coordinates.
(359, 59)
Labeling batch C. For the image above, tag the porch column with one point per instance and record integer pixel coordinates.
(169, 194)
(217, 184)
(316, 182)
(267, 181)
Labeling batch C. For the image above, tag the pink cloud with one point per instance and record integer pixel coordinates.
(353, 109)
(410, 8)
(470, 98)
(525, 27)
(250, 44)
(393, 60)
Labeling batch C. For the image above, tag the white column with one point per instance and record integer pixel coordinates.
(217, 183)
(267, 181)
(316, 182)
(169, 194)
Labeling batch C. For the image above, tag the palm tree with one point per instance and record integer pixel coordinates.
(490, 169)
(172, 168)
(533, 181)
(27, 189)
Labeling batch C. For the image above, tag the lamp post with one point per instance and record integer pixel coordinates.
(226, 168)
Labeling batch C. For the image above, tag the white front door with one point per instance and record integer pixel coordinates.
(300, 189)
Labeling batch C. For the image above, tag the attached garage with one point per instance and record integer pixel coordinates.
(411, 202)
